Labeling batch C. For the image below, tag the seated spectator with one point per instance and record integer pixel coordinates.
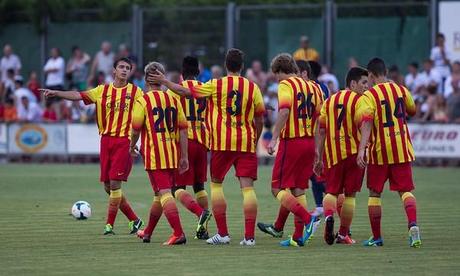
(65, 113)
(395, 75)
(78, 68)
(305, 52)
(454, 77)
(139, 80)
(55, 71)
(10, 113)
(412, 76)
(217, 72)
(257, 75)
(22, 91)
(29, 112)
(77, 108)
(440, 110)
(453, 104)
(33, 84)
(49, 115)
(428, 78)
(327, 77)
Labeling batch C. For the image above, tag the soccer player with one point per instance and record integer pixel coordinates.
(299, 105)
(114, 104)
(382, 111)
(236, 112)
(159, 118)
(198, 142)
(338, 138)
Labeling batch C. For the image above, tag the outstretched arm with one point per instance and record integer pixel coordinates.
(67, 95)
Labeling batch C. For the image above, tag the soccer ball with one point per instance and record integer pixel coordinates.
(81, 210)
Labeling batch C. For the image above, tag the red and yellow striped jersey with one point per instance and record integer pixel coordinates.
(159, 117)
(338, 119)
(113, 107)
(387, 105)
(304, 100)
(195, 113)
(233, 103)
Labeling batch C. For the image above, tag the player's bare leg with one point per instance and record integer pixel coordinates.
(249, 209)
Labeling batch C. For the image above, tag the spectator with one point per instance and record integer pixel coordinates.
(139, 80)
(428, 78)
(395, 75)
(78, 68)
(10, 113)
(315, 72)
(327, 77)
(441, 56)
(412, 77)
(54, 70)
(22, 91)
(9, 85)
(205, 74)
(257, 75)
(440, 110)
(29, 111)
(125, 52)
(103, 62)
(454, 77)
(49, 115)
(33, 84)
(305, 52)
(453, 104)
(352, 62)
(217, 72)
(9, 61)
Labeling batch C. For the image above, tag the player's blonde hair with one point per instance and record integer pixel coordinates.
(154, 66)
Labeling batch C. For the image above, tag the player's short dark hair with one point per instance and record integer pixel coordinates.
(315, 69)
(123, 59)
(394, 69)
(377, 67)
(234, 60)
(304, 67)
(355, 74)
(190, 67)
(284, 63)
(440, 35)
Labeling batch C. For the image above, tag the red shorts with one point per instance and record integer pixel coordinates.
(344, 177)
(198, 164)
(161, 179)
(400, 176)
(115, 159)
(245, 164)
(293, 163)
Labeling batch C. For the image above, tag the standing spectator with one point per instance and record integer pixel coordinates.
(103, 62)
(440, 56)
(217, 72)
(412, 77)
(453, 104)
(257, 75)
(326, 77)
(49, 115)
(22, 91)
(9, 61)
(29, 112)
(54, 70)
(33, 84)
(454, 77)
(78, 68)
(428, 78)
(305, 52)
(395, 75)
(352, 62)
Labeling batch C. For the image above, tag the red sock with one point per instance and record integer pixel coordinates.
(250, 212)
(298, 222)
(127, 210)
(155, 214)
(340, 200)
(329, 204)
(188, 201)
(202, 199)
(114, 204)
(219, 208)
(410, 205)
(283, 214)
(291, 203)
(171, 213)
(374, 207)
(346, 216)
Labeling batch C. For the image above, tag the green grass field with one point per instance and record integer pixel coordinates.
(39, 237)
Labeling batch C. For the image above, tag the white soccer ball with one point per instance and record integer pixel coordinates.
(81, 210)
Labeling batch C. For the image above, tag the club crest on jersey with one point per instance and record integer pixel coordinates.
(128, 96)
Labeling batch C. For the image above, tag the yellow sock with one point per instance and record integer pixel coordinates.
(302, 199)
